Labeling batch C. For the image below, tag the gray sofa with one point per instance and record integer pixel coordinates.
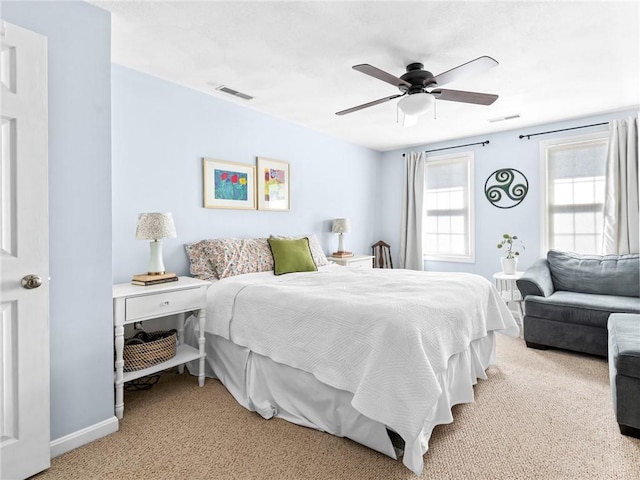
(568, 298)
(624, 371)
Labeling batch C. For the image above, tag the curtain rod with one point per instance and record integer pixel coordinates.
(529, 135)
(457, 146)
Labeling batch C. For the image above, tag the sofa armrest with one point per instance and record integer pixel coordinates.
(536, 280)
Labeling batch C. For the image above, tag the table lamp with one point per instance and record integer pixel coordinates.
(155, 227)
(341, 226)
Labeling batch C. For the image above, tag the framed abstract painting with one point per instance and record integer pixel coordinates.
(229, 184)
(274, 185)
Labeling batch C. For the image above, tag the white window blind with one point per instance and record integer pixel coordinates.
(574, 172)
(448, 226)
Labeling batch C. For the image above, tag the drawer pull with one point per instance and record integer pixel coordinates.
(165, 303)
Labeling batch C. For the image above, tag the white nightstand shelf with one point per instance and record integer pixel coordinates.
(356, 261)
(184, 354)
(134, 304)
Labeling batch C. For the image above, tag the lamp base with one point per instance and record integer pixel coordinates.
(342, 254)
(156, 265)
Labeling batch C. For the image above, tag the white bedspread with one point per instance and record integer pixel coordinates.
(383, 335)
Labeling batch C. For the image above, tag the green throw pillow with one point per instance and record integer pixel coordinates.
(291, 256)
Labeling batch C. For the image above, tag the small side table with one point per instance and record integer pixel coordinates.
(356, 261)
(506, 285)
(133, 304)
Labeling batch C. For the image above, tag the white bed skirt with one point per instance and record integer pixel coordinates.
(276, 390)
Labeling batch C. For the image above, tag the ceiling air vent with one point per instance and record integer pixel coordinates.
(233, 92)
(502, 119)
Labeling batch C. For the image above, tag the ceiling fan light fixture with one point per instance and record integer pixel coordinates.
(416, 103)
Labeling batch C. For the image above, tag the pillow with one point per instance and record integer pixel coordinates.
(595, 274)
(319, 258)
(291, 256)
(226, 257)
(199, 265)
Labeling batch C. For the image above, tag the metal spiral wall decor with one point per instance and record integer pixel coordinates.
(506, 188)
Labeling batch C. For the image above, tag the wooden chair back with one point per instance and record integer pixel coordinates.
(381, 252)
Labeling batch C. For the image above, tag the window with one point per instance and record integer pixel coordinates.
(448, 226)
(574, 173)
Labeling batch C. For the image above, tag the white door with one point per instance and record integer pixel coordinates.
(24, 245)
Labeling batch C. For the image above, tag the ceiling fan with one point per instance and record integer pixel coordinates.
(417, 86)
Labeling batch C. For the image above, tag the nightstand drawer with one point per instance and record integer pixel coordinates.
(162, 304)
(366, 263)
(356, 261)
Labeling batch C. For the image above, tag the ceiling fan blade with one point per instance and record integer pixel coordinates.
(380, 75)
(478, 65)
(370, 104)
(464, 97)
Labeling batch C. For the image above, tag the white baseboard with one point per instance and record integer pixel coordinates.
(82, 437)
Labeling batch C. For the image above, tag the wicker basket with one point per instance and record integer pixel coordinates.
(147, 349)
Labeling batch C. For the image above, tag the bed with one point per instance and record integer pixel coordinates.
(379, 356)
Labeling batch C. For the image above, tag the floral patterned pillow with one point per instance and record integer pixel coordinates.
(198, 265)
(226, 257)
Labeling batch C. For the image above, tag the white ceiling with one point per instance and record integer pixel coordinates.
(558, 60)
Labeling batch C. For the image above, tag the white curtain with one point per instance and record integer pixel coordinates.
(621, 229)
(412, 211)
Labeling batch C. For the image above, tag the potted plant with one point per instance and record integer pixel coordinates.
(510, 244)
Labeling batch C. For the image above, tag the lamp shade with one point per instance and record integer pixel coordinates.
(154, 226)
(341, 225)
(416, 103)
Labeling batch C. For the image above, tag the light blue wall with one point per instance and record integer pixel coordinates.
(81, 328)
(161, 132)
(504, 150)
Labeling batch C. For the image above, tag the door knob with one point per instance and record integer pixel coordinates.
(31, 281)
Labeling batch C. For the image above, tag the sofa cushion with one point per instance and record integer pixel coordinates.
(580, 308)
(598, 274)
(624, 337)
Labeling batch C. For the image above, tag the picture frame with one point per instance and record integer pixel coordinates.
(229, 184)
(273, 185)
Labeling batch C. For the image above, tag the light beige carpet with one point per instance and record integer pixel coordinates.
(540, 415)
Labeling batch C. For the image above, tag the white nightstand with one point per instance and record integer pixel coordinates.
(132, 303)
(506, 285)
(357, 261)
